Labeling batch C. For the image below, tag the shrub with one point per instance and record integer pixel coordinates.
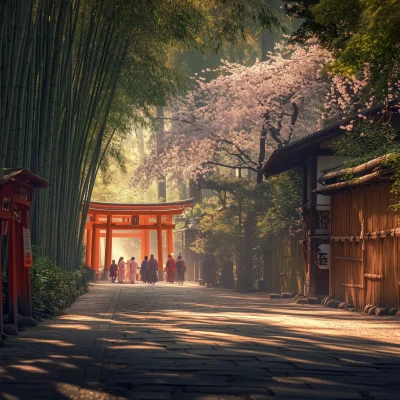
(52, 287)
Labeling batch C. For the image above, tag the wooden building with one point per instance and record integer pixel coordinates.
(16, 194)
(284, 264)
(305, 269)
(365, 235)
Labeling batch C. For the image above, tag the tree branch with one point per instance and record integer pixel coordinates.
(231, 166)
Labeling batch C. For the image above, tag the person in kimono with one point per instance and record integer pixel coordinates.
(181, 269)
(227, 273)
(143, 269)
(113, 271)
(208, 268)
(121, 270)
(133, 266)
(152, 270)
(170, 268)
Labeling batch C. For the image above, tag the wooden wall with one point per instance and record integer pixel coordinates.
(365, 271)
(284, 268)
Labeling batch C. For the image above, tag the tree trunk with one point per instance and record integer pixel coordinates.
(162, 183)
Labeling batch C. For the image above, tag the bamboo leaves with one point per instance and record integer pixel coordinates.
(74, 74)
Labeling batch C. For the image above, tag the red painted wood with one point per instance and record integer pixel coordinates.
(23, 290)
(95, 245)
(170, 236)
(142, 245)
(159, 244)
(12, 274)
(89, 237)
(109, 236)
(1, 288)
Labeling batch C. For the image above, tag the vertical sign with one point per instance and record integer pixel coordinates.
(322, 256)
(28, 261)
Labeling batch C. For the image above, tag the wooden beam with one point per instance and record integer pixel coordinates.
(135, 227)
(353, 286)
(373, 276)
(126, 234)
(119, 213)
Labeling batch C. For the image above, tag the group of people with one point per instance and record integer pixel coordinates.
(175, 270)
(209, 267)
(127, 271)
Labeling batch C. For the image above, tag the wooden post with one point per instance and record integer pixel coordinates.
(95, 245)
(313, 221)
(89, 237)
(26, 298)
(1, 280)
(170, 237)
(107, 256)
(12, 273)
(142, 244)
(147, 240)
(160, 248)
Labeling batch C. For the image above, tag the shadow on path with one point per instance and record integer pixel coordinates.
(190, 342)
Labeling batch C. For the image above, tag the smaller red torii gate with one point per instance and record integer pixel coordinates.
(130, 217)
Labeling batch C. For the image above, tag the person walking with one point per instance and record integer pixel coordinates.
(133, 265)
(113, 271)
(144, 268)
(227, 273)
(181, 269)
(208, 267)
(121, 270)
(170, 268)
(152, 270)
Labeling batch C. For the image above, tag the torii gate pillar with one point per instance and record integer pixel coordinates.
(170, 237)
(89, 237)
(107, 256)
(160, 249)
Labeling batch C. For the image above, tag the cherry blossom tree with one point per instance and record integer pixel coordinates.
(218, 124)
(351, 97)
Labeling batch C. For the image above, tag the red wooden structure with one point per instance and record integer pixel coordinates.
(130, 218)
(16, 193)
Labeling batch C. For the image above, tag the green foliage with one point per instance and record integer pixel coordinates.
(356, 31)
(367, 141)
(52, 287)
(240, 208)
(283, 210)
(75, 77)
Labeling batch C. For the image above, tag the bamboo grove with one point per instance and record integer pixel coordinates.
(74, 76)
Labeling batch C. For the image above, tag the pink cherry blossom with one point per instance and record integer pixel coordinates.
(219, 122)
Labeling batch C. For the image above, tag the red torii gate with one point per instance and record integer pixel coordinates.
(131, 217)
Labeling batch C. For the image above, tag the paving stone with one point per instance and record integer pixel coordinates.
(161, 343)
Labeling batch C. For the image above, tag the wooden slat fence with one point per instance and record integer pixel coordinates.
(284, 263)
(365, 268)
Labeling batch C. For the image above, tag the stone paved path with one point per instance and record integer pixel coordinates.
(169, 342)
